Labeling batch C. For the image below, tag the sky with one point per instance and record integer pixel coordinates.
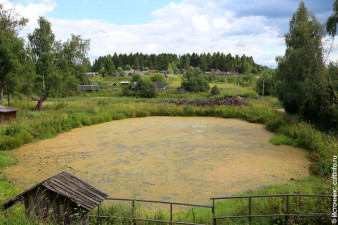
(251, 27)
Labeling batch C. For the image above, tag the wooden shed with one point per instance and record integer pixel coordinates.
(159, 85)
(7, 113)
(89, 88)
(62, 199)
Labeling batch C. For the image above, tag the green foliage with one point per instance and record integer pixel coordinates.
(59, 67)
(127, 67)
(136, 77)
(126, 91)
(269, 83)
(157, 77)
(301, 84)
(119, 69)
(282, 139)
(298, 69)
(331, 23)
(170, 69)
(174, 63)
(12, 53)
(238, 207)
(194, 81)
(215, 90)
(246, 80)
(6, 159)
(145, 89)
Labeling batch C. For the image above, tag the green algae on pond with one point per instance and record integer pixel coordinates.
(182, 159)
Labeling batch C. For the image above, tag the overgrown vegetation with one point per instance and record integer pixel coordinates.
(304, 85)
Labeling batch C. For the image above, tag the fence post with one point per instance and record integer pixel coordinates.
(249, 210)
(213, 212)
(287, 210)
(98, 213)
(171, 213)
(133, 212)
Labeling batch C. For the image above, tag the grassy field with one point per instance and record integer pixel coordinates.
(61, 115)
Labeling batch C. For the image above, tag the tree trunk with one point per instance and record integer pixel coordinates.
(333, 97)
(41, 100)
(1, 94)
(8, 99)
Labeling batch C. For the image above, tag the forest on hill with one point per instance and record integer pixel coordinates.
(179, 63)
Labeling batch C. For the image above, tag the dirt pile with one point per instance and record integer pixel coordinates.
(233, 100)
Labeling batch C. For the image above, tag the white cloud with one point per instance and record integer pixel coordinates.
(186, 27)
(32, 11)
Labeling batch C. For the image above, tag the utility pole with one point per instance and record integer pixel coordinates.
(263, 88)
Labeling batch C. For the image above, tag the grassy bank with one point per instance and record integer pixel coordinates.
(236, 207)
(62, 115)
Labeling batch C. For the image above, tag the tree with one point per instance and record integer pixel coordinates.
(194, 81)
(302, 59)
(145, 89)
(301, 83)
(74, 52)
(267, 80)
(109, 66)
(59, 67)
(175, 69)
(43, 47)
(11, 49)
(331, 23)
(170, 69)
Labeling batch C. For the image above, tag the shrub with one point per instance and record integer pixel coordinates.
(157, 77)
(145, 89)
(194, 81)
(215, 90)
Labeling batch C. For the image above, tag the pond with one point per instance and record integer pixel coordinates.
(182, 159)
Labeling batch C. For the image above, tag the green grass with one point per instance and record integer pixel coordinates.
(87, 109)
(281, 139)
(236, 207)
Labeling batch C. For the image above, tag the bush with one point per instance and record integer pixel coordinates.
(268, 85)
(157, 77)
(145, 89)
(215, 90)
(126, 91)
(136, 77)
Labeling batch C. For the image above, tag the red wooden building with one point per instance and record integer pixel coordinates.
(7, 113)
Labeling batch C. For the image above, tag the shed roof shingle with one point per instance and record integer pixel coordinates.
(68, 185)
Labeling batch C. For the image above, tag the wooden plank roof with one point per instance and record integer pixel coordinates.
(70, 186)
(6, 109)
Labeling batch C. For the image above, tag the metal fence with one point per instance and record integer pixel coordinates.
(286, 215)
(133, 219)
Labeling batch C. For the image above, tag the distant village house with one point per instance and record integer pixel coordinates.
(91, 74)
(89, 88)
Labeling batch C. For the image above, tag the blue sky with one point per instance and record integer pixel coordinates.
(254, 28)
(122, 12)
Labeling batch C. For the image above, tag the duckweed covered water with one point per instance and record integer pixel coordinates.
(182, 159)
